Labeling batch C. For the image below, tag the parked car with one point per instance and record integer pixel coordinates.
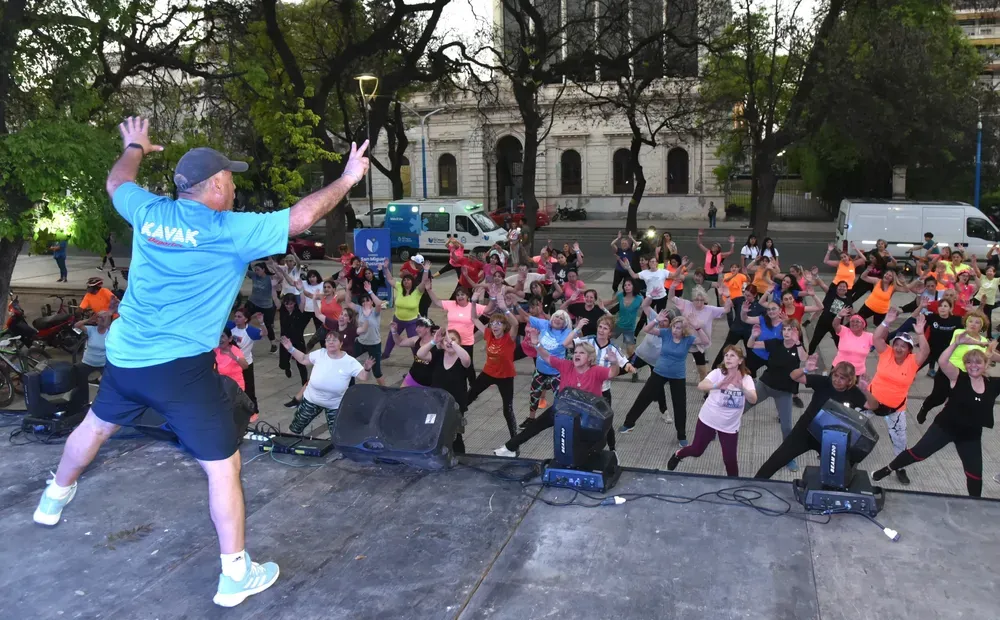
(307, 246)
(379, 215)
(503, 217)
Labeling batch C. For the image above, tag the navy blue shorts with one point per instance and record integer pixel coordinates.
(187, 392)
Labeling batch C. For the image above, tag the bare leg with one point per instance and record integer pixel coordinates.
(702, 371)
(225, 501)
(82, 447)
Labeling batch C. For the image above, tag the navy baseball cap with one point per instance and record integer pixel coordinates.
(202, 163)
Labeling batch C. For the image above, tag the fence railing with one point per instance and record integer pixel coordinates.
(791, 201)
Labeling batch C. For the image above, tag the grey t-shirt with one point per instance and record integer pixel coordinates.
(261, 294)
(373, 334)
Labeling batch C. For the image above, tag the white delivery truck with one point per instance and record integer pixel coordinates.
(903, 224)
(427, 226)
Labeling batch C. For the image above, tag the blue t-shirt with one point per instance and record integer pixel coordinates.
(627, 255)
(670, 364)
(60, 252)
(767, 333)
(188, 263)
(551, 340)
(628, 314)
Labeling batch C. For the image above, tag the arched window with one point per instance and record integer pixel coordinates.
(404, 176)
(622, 172)
(571, 173)
(447, 175)
(677, 171)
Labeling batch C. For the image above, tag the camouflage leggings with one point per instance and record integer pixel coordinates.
(539, 383)
(307, 412)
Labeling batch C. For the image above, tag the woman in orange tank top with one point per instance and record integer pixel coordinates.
(897, 368)
(845, 265)
(880, 299)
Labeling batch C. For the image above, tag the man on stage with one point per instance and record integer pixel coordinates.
(189, 258)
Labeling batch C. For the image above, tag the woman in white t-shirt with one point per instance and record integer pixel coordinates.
(729, 388)
(311, 290)
(244, 335)
(769, 250)
(331, 376)
(750, 251)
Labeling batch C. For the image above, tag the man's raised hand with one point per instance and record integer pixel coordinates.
(357, 163)
(135, 130)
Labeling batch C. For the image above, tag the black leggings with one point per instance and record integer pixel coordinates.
(471, 370)
(655, 387)
(824, 326)
(868, 313)
(506, 389)
(539, 424)
(268, 318)
(970, 451)
(661, 398)
(731, 339)
(859, 289)
(251, 387)
(619, 277)
(798, 442)
(284, 360)
(939, 393)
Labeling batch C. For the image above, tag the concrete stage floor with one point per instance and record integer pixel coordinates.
(375, 542)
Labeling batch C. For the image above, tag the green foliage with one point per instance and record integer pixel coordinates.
(61, 166)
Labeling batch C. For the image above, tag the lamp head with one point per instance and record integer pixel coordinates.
(368, 84)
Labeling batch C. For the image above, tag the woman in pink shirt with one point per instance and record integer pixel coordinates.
(855, 343)
(578, 373)
(461, 314)
(229, 360)
(729, 388)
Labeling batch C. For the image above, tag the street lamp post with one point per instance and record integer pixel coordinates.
(366, 96)
(423, 141)
(979, 155)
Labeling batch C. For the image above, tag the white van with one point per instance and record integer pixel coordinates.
(903, 224)
(427, 226)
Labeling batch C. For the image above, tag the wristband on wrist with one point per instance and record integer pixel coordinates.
(291, 350)
(135, 145)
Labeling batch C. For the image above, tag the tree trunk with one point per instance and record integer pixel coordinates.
(336, 220)
(529, 167)
(762, 186)
(9, 250)
(639, 178)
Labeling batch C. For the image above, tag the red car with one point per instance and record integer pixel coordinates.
(307, 247)
(508, 220)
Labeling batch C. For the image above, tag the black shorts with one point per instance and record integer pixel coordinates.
(187, 392)
(699, 358)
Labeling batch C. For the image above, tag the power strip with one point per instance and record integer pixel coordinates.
(255, 437)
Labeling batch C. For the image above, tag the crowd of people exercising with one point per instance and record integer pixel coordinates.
(663, 307)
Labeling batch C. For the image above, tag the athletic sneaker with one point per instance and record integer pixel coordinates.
(798, 402)
(258, 578)
(902, 477)
(673, 462)
(503, 451)
(624, 429)
(292, 403)
(932, 372)
(792, 465)
(635, 377)
(49, 510)
(274, 347)
(683, 442)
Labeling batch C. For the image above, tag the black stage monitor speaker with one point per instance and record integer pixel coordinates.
(861, 432)
(581, 425)
(411, 426)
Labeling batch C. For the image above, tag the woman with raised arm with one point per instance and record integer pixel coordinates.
(842, 385)
(624, 252)
(880, 299)
(855, 342)
(769, 321)
(552, 335)
(670, 369)
(581, 373)
(329, 306)
(845, 265)
(698, 312)
(293, 323)
(449, 367)
(714, 256)
(332, 372)
(421, 373)
(986, 296)
(369, 340)
(461, 318)
(311, 290)
(244, 335)
(501, 341)
(898, 364)
(262, 299)
(626, 304)
(229, 359)
(407, 295)
(608, 354)
(973, 323)
(784, 356)
(969, 410)
(729, 389)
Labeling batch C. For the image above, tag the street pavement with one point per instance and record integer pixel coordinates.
(648, 446)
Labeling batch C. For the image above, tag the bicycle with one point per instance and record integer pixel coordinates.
(64, 308)
(15, 362)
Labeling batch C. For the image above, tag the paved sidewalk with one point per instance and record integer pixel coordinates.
(667, 224)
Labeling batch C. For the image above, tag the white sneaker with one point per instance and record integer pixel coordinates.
(49, 511)
(503, 451)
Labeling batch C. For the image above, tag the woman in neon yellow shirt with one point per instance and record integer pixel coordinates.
(406, 299)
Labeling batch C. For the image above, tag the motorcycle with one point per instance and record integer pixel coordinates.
(57, 331)
(16, 324)
(569, 214)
